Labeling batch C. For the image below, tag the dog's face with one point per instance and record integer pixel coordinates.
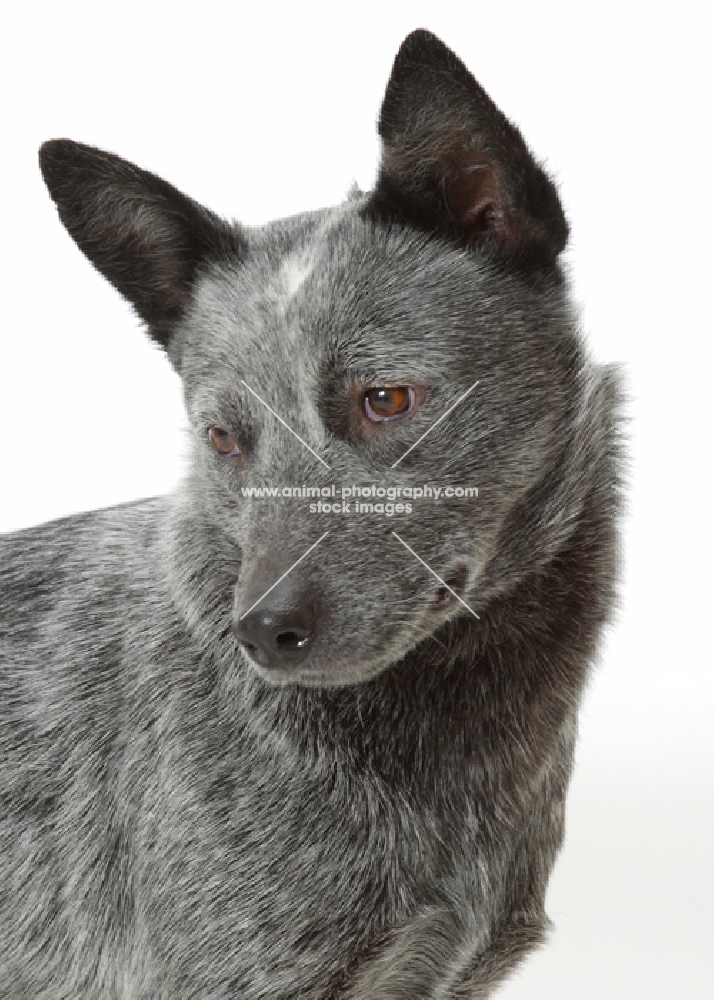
(416, 335)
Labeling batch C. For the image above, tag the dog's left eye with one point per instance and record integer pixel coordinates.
(223, 442)
(389, 403)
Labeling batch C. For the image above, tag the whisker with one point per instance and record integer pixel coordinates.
(417, 628)
(406, 600)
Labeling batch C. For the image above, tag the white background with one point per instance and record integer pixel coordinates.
(264, 110)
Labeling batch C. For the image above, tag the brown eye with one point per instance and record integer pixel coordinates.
(387, 404)
(223, 442)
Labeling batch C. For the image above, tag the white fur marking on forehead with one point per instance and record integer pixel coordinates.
(295, 272)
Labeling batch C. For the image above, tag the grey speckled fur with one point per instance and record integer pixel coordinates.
(178, 821)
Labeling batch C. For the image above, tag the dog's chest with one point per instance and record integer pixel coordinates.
(261, 877)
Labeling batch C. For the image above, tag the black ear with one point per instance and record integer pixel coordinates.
(141, 233)
(452, 163)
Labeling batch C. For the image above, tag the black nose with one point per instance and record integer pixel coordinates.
(278, 630)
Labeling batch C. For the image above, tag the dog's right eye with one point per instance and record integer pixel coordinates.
(223, 442)
(384, 404)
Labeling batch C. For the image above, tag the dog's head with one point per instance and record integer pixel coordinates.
(418, 335)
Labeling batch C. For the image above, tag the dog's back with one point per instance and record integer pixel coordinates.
(74, 605)
(366, 801)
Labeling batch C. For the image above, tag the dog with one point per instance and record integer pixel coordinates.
(274, 735)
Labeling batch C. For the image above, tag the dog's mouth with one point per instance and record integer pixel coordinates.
(290, 636)
(327, 657)
(299, 662)
(290, 646)
(321, 677)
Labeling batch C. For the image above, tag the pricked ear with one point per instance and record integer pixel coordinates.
(453, 163)
(143, 235)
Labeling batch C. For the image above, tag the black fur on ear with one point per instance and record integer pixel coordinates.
(452, 163)
(142, 234)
